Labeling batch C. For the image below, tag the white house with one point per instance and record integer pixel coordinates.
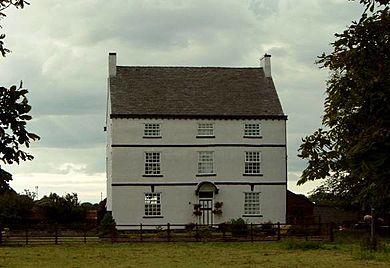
(194, 145)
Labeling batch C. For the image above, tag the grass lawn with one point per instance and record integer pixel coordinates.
(246, 254)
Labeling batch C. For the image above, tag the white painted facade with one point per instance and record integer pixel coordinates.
(179, 149)
(179, 179)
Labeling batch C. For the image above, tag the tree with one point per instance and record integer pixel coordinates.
(14, 109)
(61, 209)
(107, 227)
(352, 153)
(15, 208)
(4, 4)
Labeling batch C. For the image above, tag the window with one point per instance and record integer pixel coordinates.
(205, 129)
(152, 130)
(152, 163)
(153, 204)
(205, 162)
(252, 203)
(252, 162)
(252, 130)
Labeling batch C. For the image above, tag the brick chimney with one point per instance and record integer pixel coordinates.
(112, 64)
(265, 62)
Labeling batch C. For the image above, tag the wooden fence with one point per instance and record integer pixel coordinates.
(60, 234)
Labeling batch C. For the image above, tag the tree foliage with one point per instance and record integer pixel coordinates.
(15, 208)
(107, 227)
(4, 4)
(61, 209)
(14, 109)
(352, 152)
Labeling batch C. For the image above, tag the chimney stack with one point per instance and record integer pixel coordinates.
(112, 64)
(265, 62)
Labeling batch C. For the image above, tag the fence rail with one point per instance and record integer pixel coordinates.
(60, 234)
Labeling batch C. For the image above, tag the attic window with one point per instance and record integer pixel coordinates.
(152, 131)
(252, 130)
(205, 130)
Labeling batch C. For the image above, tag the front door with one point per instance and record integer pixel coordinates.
(206, 207)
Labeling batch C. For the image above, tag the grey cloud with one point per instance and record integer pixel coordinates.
(52, 160)
(60, 51)
(70, 131)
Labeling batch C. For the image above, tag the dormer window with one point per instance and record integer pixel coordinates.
(152, 131)
(252, 130)
(205, 130)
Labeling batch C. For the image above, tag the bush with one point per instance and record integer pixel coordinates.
(301, 244)
(268, 228)
(203, 232)
(376, 245)
(190, 226)
(15, 208)
(238, 227)
(107, 227)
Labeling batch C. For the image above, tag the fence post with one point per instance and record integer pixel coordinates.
(1, 234)
(306, 233)
(140, 232)
(196, 232)
(331, 233)
(251, 232)
(85, 233)
(278, 231)
(56, 234)
(169, 231)
(320, 229)
(224, 232)
(26, 236)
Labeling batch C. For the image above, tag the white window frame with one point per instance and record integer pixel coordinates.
(152, 130)
(152, 202)
(152, 164)
(206, 166)
(252, 163)
(252, 204)
(252, 130)
(205, 130)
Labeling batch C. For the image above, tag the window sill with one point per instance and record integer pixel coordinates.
(206, 175)
(252, 215)
(152, 137)
(253, 175)
(153, 175)
(253, 137)
(153, 217)
(205, 137)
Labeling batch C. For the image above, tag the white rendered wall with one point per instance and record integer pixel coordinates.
(179, 164)
(109, 154)
(177, 204)
(174, 131)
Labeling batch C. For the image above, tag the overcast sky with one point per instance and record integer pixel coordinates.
(60, 49)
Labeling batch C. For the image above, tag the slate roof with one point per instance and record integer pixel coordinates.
(210, 92)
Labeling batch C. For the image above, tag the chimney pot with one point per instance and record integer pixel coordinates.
(112, 64)
(265, 62)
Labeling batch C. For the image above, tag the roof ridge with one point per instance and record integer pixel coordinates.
(189, 67)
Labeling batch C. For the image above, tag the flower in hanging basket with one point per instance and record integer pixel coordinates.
(218, 205)
(197, 212)
(217, 211)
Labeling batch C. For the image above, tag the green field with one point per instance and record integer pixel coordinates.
(259, 254)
